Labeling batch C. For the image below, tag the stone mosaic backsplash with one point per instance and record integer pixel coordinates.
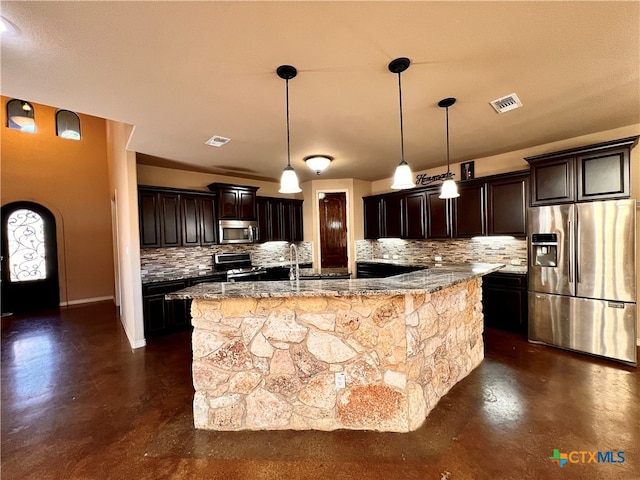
(485, 249)
(168, 261)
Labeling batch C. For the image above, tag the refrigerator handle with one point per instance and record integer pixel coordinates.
(577, 247)
(571, 252)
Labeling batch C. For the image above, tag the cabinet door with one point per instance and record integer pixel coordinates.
(469, 219)
(603, 174)
(190, 220)
(372, 217)
(392, 216)
(415, 214)
(297, 219)
(149, 217)
(228, 199)
(277, 220)
(153, 313)
(292, 220)
(505, 302)
(438, 214)
(208, 223)
(246, 205)
(264, 220)
(171, 235)
(553, 181)
(507, 206)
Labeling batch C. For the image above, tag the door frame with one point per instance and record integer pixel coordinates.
(51, 241)
(316, 210)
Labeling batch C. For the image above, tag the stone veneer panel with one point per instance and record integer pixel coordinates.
(271, 364)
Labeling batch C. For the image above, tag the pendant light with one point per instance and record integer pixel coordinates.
(403, 178)
(449, 187)
(289, 179)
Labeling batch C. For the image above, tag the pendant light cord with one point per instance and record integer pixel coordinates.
(288, 136)
(447, 116)
(401, 123)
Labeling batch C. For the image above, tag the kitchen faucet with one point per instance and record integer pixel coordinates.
(294, 274)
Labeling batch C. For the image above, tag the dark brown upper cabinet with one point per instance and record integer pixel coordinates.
(392, 215)
(279, 219)
(594, 172)
(235, 202)
(507, 201)
(414, 215)
(173, 218)
(470, 210)
(198, 219)
(494, 205)
(438, 215)
(372, 217)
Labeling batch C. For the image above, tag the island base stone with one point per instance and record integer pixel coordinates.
(276, 363)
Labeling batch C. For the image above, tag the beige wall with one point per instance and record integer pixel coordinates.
(169, 177)
(70, 179)
(126, 252)
(513, 161)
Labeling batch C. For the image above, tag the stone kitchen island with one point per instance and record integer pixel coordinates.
(366, 354)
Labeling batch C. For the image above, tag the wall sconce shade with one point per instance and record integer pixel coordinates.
(318, 163)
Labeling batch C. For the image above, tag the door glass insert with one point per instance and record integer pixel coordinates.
(26, 246)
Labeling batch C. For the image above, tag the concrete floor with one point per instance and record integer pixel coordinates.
(78, 403)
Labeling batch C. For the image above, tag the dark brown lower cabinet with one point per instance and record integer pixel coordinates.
(162, 316)
(504, 300)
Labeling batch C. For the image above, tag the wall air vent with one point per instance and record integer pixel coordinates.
(217, 141)
(504, 104)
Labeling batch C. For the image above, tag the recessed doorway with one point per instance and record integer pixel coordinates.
(29, 258)
(332, 209)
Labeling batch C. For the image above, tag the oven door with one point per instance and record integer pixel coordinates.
(237, 231)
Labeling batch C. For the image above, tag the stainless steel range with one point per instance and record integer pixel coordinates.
(238, 267)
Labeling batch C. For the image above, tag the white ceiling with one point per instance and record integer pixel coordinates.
(184, 71)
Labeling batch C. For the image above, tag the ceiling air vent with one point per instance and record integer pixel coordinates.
(217, 141)
(504, 104)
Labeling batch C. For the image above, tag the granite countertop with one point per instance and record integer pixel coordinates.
(179, 275)
(426, 280)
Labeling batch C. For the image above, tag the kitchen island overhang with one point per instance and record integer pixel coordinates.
(366, 354)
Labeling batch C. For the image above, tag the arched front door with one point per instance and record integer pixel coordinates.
(29, 258)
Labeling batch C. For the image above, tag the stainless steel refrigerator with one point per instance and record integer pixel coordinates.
(582, 280)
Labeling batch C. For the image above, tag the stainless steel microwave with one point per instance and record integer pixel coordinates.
(237, 231)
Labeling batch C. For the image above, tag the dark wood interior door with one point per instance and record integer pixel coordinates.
(333, 230)
(29, 258)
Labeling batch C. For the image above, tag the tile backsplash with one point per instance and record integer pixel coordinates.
(480, 249)
(165, 261)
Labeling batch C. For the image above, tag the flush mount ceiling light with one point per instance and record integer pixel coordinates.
(449, 187)
(289, 179)
(403, 178)
(318, 163)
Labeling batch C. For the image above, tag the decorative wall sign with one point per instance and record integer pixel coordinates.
(424, 179)
(467, 170)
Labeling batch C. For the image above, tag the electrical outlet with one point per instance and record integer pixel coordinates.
(395, 257)
(385, 256)
(516, 261)
(341, 380)
(438, 258)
